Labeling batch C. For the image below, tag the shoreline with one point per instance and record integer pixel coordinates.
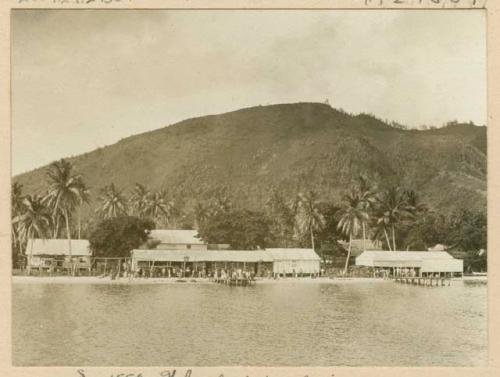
(138, 281)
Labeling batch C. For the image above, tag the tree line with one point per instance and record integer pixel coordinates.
(393, 216)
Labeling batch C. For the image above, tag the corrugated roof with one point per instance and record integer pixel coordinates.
(293, 254)
(58, 247)
(176, 236)
(404, 255)
(204, 255)
(268, 255)
(360, 244)
(427, 261)
(400, 256)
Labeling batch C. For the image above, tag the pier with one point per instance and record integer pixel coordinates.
(236, 281)
(424, 281)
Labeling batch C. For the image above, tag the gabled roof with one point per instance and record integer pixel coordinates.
(405, 255)
(58, 247)
(203, 255)
(438, 247)
(176, 236)
(293, 254)
(358, 245)
(428, 261)
(268, 255)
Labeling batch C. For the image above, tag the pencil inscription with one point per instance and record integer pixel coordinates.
(74, 2)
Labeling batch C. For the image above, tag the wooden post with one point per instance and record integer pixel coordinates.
(105, 265)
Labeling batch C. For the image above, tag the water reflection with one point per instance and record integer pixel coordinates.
(292, 324)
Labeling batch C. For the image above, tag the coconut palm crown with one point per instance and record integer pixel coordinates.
(160, 208)
(66, 191)
(113, 203)
(392, 209)
(310, 218)
(352, 217)
(140, 199)
(33, 221)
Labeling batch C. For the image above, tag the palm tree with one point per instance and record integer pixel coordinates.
(140, 199)
(282, 215)
(113, 203)
(83, 199)
(221, 199)
(66, 191)
(309, 215)
(35, 220)
(367, 192)
(413, 203)
(16, 209)
(352, 217)
(160, 207)
(293, 208)
(57, 216)
(202, 213)
(16, 198)
(417, 212)
(392, 209)
(379, 232)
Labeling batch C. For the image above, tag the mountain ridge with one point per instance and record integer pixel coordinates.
(292, 147)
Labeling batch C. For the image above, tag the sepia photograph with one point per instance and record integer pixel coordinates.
(279, 188)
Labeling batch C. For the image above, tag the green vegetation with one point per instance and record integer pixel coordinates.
(309, 218)
(33, 220)
(112, 202)
(393, 216)
(353, 217)
(116, 237)
(66, 192)
(292, 148)
(245, 178)
(240, 228)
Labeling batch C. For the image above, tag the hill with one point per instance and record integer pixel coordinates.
(293, 147)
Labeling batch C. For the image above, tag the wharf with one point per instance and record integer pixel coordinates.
(235, 281)
(424, 281)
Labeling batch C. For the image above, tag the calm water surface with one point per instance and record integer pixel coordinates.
(287, 324)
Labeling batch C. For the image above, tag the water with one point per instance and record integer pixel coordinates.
(283, 324)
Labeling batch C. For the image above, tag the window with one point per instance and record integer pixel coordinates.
(188, 246)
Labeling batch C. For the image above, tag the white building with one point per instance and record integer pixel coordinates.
(53, 254)
(264, 263)
(421, 263)
(288, 261)
(177, 239)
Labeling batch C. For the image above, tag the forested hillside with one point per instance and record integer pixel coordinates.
(292, 148)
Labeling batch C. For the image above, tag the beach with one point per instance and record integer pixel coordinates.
(125, 280)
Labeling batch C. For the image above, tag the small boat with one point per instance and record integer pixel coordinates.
(479, 274)
(476, 278)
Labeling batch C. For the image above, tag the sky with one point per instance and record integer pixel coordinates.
(83, 79)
